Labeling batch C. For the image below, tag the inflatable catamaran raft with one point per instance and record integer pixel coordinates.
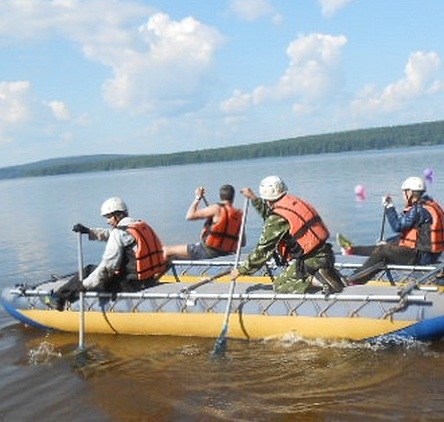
(191, 300)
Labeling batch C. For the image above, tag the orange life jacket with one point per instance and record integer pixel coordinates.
(307, 230)
(150, 262)
(426, 237)
(224, 235)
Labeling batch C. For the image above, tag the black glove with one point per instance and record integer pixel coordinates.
(80, 228)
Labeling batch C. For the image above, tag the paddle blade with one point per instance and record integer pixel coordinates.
(221, 344)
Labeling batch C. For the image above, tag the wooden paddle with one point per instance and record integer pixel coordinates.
(221, 342)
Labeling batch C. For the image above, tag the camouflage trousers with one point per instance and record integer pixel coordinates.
(298, 276)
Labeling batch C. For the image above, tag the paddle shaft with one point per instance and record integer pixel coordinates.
(81, 297)
(205, 281)
(407, 289)
(221, 340)
(381, 235)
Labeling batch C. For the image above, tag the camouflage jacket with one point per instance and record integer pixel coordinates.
(275, 227)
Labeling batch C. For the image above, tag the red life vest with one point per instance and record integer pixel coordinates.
(150, 262)
(427, 237)
(307, 230)
(224, 235)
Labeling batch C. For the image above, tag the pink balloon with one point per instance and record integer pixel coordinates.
(360, 193)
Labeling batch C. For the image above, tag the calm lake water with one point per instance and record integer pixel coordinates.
(173, 379)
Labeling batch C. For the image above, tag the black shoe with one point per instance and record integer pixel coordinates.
(331, 281)
(61, 305)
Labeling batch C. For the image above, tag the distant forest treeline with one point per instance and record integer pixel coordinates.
(419, 134)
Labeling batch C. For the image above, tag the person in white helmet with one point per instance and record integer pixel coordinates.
(420, 227)
(133, 258)
(294, 235)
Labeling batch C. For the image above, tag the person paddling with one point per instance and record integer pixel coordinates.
(296, 236)
(133, 258)
(421, 233)
(220, 234)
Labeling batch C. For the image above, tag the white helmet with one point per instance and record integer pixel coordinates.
(414, 184)
(272, 188)
(112, 205)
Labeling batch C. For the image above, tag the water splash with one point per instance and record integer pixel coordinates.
(376, 344)
(43, 354)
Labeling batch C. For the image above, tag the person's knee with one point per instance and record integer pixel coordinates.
(292, 285)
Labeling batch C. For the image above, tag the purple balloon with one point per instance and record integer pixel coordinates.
(429, 175)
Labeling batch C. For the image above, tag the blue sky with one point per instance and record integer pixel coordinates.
(81, 77)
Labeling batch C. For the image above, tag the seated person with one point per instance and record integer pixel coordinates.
(220, 234)
(133, 258)
(421, 233)
(295, 234)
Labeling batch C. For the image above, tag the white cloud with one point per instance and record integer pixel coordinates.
(252, 10)
(60, 110)
(14, 102)
(161, 65)
(168, 72)
(14, 108)
(420, 80)
(312, 74)
(239, 102)
(302, 109)
(78, 20)
(330, 7)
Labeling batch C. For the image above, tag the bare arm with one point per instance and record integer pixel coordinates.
(211, 211)
(194, 213)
